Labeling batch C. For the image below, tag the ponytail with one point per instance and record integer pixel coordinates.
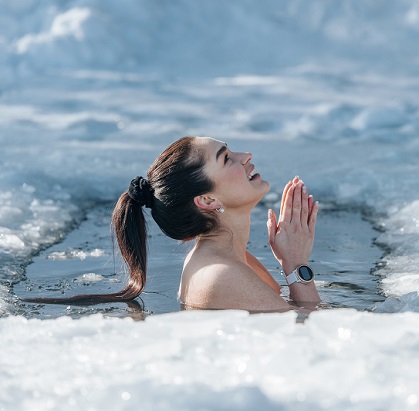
(130, 229)
(131, 234)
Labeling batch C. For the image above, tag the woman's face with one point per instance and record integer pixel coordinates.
(237, 184)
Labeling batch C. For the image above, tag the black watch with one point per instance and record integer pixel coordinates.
(302, 274)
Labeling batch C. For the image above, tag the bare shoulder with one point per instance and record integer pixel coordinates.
(213, 280)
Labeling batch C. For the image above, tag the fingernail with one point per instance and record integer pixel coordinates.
(304, 189)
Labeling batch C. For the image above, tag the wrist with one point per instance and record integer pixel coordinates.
(302, 274)
(289, 267)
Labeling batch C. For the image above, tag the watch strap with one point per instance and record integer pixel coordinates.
(292, 278)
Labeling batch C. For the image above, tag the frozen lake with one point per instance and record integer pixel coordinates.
(92, 91)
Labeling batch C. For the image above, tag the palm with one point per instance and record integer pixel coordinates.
(292, 238)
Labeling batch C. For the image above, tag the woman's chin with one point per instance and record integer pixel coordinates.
(266, 184)
(265, 190)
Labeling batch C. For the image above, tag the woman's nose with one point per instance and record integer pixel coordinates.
(246, 157)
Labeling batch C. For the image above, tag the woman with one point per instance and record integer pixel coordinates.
(199, 189)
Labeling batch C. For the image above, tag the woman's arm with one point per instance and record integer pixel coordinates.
(292, 238)
(262, 272)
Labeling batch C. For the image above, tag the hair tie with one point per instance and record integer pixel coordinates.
(141, 191)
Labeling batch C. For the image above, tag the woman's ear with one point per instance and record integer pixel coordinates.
(206, 203)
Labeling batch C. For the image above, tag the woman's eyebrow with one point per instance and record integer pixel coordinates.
(220, 151)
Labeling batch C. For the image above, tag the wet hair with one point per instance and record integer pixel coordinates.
(175, 177)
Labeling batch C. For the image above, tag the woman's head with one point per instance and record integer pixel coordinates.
(177, 176)
(194, 177)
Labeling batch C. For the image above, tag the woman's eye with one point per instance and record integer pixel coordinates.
(226, 158)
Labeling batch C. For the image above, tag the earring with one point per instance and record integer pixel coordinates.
(220, 209)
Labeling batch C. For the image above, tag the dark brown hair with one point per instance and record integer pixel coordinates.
(176, 176)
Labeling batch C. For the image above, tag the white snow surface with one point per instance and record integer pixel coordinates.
(226, 360)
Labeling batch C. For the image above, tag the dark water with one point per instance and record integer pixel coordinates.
(343, 258)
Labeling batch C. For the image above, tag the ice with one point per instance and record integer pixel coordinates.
(213, 360)
(89, 278)
(10, 242)
(400, 269)
(400, 283)
(4, 297)
(409, 301)
(79, 254)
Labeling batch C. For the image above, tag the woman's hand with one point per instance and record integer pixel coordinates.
(292, 238)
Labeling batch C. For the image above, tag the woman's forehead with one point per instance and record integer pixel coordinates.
(209, 142)
(210, 146)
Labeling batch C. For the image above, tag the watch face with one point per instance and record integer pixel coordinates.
(306, 273)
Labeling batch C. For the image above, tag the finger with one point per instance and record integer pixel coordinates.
(313, 217)
(304, 206)
(310, 207)
(271, 224)
(287, 210)
(284, 194)
(296, 204)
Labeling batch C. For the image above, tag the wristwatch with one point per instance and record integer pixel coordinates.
(302, 274)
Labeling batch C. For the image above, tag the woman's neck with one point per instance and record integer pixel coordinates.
(232, 236)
